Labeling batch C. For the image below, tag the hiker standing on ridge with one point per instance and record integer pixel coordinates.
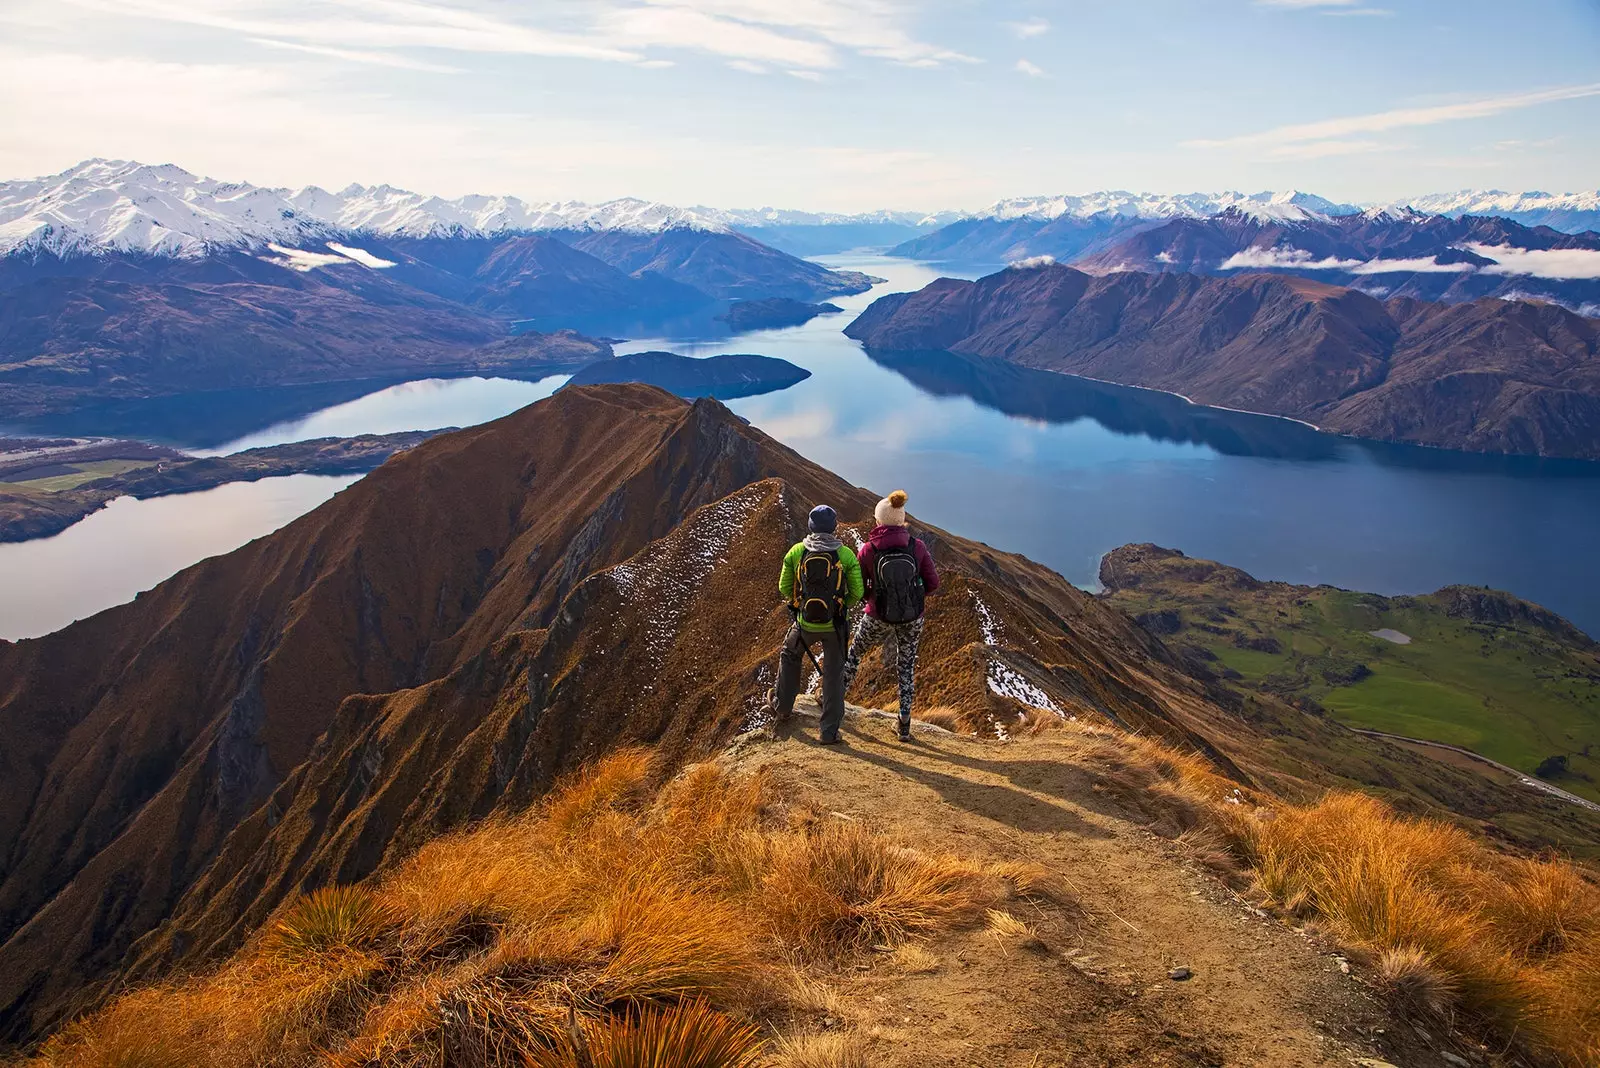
(899, 574)
(820, 581)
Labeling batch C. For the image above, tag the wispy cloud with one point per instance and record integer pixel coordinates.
(352, 55)
(1034, 27)
(1030, 69)
(793, 34)
(1334, 130)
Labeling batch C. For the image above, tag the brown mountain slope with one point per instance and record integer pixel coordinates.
(167, 758)
(1492, 376)
(443, 638)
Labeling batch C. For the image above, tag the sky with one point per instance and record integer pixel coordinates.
(839, 105)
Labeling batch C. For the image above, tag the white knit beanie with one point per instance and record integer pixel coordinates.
(891, 511)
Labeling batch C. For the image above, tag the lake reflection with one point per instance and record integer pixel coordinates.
(129, 546)
(1057, 468)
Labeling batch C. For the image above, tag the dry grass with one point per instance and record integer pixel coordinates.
(914, 959)
(845, 1049)
(644, 924)
(946, 716)
(1448, 925)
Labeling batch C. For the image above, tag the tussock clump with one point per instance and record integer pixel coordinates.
(1411, 977)
(844, 1049)
(843, 887)
(915, 959)
(335, 917)
(947, 717)
(1448, 924)
(616, 924)
(688, 1035)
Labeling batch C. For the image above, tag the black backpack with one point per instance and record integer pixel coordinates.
(819, 587)
(897, 589)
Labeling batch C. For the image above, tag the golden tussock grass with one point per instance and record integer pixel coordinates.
(946, 716)
(836, 1050)
(1449, 925)
(618, 923)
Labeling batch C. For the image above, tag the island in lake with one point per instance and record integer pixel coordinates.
(772, 313)
(723, 377)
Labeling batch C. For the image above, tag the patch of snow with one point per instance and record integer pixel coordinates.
(988, 622)
(1006, 681)
(674, 571)
(1389, 634)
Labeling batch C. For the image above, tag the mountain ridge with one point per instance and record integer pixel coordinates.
(1487, 376)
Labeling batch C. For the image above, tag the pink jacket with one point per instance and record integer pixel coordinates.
(894, 538)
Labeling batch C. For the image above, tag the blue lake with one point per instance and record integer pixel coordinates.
(1056, 468)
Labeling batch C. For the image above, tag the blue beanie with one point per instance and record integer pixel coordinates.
(822, 520)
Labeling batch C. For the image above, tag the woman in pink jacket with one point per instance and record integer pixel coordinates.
(899, 573)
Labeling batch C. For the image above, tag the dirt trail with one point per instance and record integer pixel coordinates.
(1097, 992)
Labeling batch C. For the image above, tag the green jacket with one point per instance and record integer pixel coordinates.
(853, 588)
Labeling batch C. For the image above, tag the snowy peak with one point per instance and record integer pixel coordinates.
(124, 206)
(1289, 206)
(1499, 202)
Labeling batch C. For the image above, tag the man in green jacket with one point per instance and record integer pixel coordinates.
(821, 582)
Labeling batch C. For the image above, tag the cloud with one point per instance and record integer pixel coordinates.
(1418, 265)
(1298, 259)
(1029, 69)
(1034, 27)
(747, 66)
(1261, 259)
(1563, 263)
(377, 59)
(1323, 149)
(802, 34)
(1031, 263)
(1399, 118)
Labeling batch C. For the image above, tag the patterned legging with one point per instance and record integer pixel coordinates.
(871, 632)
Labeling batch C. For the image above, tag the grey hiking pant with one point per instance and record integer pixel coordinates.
(872, 631)
(830, 644)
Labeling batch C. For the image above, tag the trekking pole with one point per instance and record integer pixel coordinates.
(795, 614)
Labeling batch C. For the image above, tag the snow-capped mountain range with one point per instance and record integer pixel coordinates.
(1288, 206)
(122, 206)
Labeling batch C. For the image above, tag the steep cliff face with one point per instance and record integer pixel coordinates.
(442, 639)
(1491, 376)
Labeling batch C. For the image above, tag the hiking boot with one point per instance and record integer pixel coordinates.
(831, 739)
(905, 728)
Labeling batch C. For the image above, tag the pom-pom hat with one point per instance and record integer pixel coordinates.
(891, 511)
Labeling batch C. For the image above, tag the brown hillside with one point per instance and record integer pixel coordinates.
(177, 764)
(1490, 376)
